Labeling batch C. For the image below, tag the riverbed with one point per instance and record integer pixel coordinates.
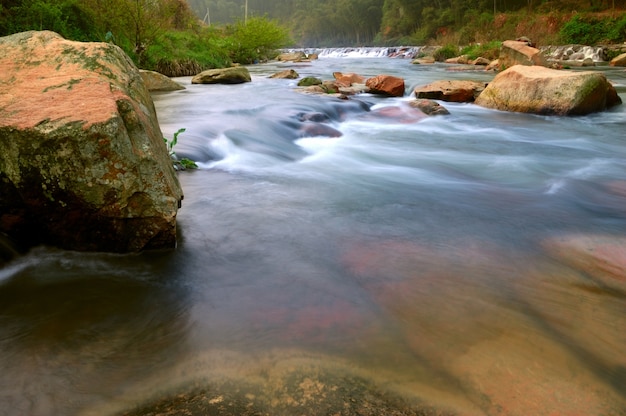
(400, 265)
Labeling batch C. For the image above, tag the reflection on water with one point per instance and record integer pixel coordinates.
(80, 328)
(335, 258)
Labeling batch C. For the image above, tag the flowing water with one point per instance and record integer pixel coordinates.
(344, 253)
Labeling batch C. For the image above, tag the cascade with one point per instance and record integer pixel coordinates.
(363, 52)
(574, 53)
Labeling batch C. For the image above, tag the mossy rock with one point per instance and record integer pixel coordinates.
(309, 81)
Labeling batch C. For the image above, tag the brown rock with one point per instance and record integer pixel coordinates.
(426, 60)
(493, 65)
(520, 53)
(540, 90)
(619, 60)
(602, 257)
(429, 107)
(83, 164)
(386, 85)
(156, 81)
(346, 80)
(292, 56)
(232, 75)
(286, 74)
(480, 61)
(452, 91)
(463, 59)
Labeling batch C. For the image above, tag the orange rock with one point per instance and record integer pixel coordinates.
(386, 85)
(346, 80)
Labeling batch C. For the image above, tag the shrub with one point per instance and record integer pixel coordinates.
(591, 30)
(446, 52)
(489, 50)
(256, 40)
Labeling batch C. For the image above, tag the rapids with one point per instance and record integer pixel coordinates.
(332, 257)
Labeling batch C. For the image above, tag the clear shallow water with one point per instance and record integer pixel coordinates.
(423, 255)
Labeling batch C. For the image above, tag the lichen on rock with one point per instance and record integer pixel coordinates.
(83, 165)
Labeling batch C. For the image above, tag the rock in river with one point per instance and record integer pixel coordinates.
(540, 90)
(232, 75)
(158, 82)
(386, 85)
(451, 90)
(83, 164)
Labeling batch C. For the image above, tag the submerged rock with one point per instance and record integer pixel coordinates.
(540, 90)
(286, 384)
(83, 164)
(601, 257)
(232, 75)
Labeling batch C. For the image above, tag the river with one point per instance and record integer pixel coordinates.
(403, 266)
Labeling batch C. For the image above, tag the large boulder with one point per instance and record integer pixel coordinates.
(540, 90)
(156, 81)
(451, 91)
(619, 60)
(83, 164)
(232, 75)
(386, 85)
(515, 52)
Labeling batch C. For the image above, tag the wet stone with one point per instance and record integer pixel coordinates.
(298, 393)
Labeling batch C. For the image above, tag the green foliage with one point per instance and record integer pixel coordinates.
(182, 53)
(579, 30)
(489, 50)
(592, 30)
(183, 163)
(446, 52)
(257, 39)
(64, 17)
(617, 30)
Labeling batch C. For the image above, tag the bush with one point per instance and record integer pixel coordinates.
(257, 40)
(592, 31)
(446, 52)
(489, 50)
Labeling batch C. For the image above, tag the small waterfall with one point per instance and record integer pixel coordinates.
(408, 52)
(574, 53)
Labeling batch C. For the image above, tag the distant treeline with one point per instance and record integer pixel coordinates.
(393, 22)
(182, 36)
